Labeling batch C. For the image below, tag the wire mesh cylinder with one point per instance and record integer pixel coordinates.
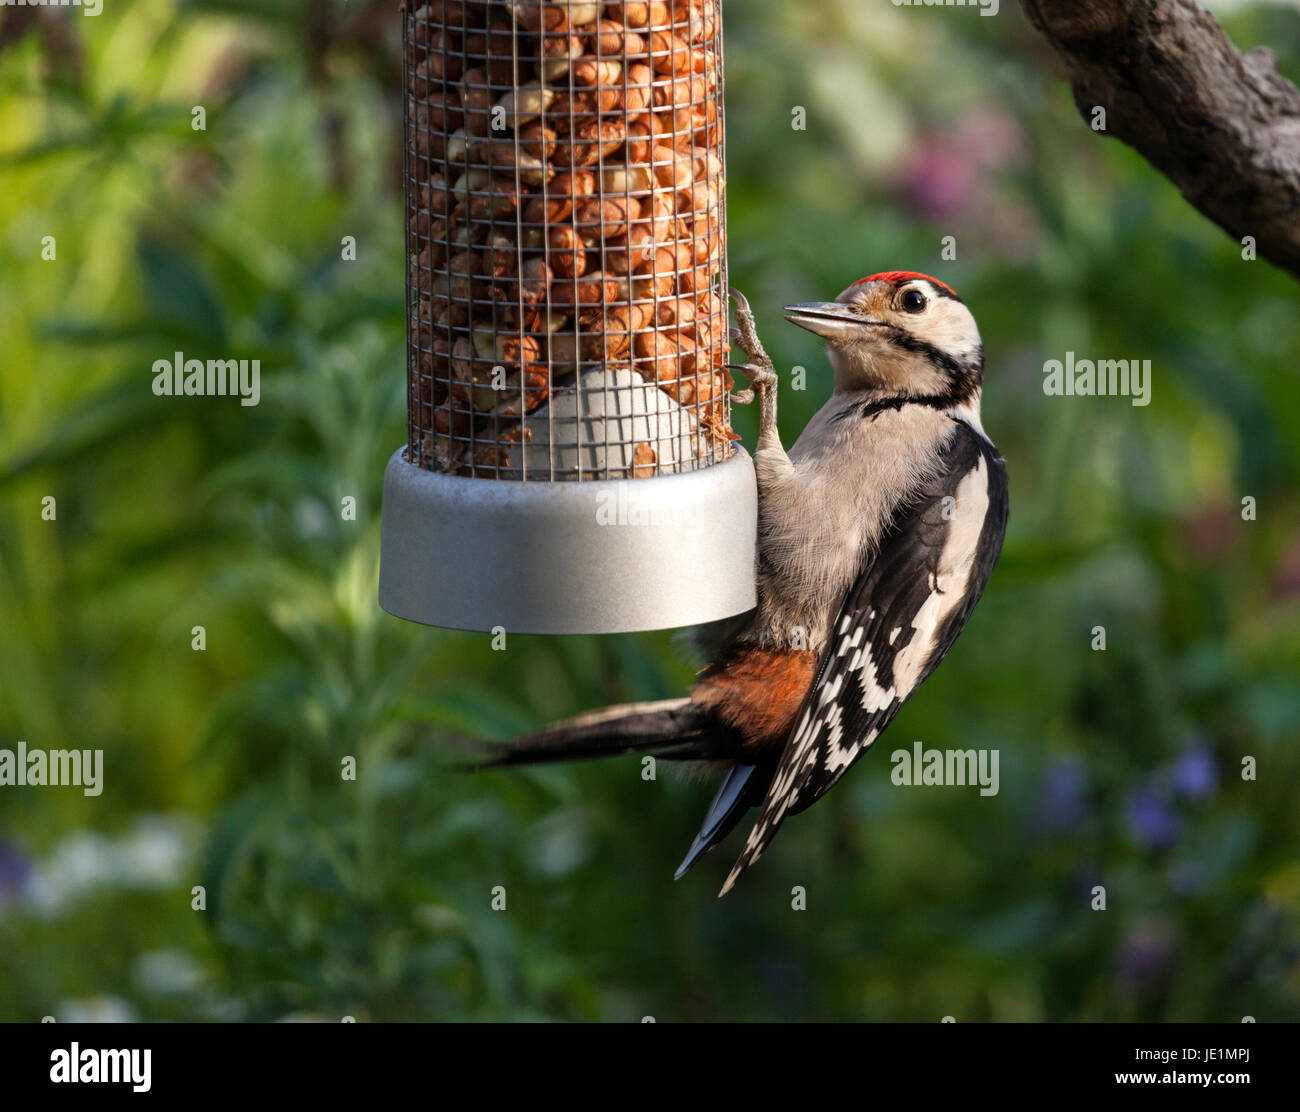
(566, 233)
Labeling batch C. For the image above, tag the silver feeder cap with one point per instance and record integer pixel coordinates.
(604, 556)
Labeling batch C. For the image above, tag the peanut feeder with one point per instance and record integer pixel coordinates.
(570, 464)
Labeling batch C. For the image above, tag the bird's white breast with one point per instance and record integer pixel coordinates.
(824, 522)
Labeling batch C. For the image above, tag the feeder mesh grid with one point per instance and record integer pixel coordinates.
(566, 238)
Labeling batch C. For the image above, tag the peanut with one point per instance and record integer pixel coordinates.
(438, 13)
(560, 51)
(525, 103)
(611, 39)
(639, 13)
(566, 255)
(627, 179)
(596, 71)
(591, 142)
(606, 211)
(670, 55)
(644, 459)
(671, 170)
(659, 355)
(537, 140)
(536, 16)
(476, 100)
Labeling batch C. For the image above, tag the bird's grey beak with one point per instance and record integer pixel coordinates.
(829, 319)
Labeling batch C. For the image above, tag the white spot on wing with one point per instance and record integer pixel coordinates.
(874, 696)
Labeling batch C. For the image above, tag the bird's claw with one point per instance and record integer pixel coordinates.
(759, 370)
(760, 380)
(745, 336)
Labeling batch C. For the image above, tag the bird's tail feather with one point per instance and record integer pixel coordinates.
(675, 729)
(741, 789)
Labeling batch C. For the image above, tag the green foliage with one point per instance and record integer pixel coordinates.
(327, 896)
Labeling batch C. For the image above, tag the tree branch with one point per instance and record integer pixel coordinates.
(1222, 126)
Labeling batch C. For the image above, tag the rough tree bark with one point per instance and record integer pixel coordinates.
(1222, 126)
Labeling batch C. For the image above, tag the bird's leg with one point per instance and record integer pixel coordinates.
(759, 370)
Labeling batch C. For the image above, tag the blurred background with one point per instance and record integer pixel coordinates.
(372, 898)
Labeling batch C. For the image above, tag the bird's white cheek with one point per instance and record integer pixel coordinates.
(853, 364)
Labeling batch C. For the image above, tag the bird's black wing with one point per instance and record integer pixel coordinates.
(897, 621)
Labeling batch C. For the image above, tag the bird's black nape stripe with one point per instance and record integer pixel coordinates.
(949, 399)
(874, 408)
(870, 410)
(964, 376)
(900, 337)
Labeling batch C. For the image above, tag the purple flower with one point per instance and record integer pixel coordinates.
(1146, 954)
(1195, 775)
(937, 180)
(991, 138)
(15, 869)
(1151, 821)
(1063, 804)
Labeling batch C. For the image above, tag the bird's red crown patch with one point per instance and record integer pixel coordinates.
(903, 276)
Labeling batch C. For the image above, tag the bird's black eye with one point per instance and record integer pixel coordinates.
(912, 301)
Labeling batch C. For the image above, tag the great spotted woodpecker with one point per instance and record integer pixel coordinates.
(877, 534)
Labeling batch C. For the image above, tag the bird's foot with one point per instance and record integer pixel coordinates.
(759, 371)
(761, 380)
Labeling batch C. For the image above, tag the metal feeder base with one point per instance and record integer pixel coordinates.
(607, 556)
